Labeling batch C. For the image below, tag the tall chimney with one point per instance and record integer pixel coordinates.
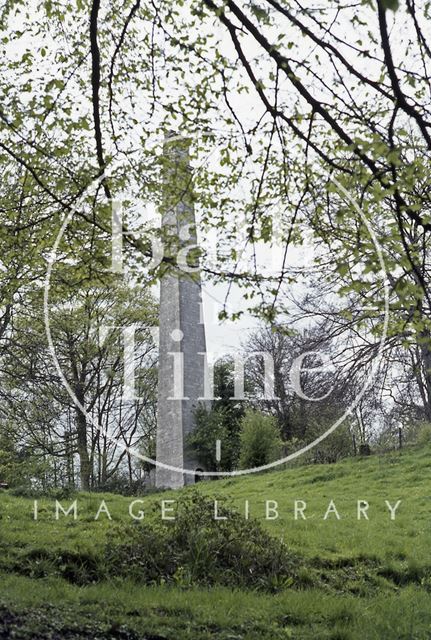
(182, 332)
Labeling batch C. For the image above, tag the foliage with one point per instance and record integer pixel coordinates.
(77, 567)
(260, 440)
(53, 493)
(120, 484)
(357, 579)
(424, 437)
(210, 426)
(43, 414)
(220, 421)
(391, 4)
(415, 432)
(19, 465)
(289, 134)
(148, 450)
(336, 446)
(196, 548)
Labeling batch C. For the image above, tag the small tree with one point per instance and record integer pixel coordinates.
(20, 466)
(336, 446)
(221, 422)
(260, 439)
(210, 426)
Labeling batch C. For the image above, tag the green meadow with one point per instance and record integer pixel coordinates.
(355, 578)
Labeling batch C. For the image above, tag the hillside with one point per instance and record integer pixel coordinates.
(356, 578)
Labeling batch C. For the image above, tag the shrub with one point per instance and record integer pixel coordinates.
(413, 432)
(18, 467)
(201, 442)
(55, 493)
(121, 485)
(25, 491)
(424, 435)
(197, 549)
(336, 446)
(260, 440)
(79, 568)
(220, 422)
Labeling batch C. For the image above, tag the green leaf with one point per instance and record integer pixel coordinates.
(393, 5)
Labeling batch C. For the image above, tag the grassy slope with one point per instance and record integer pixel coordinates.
(360, 579)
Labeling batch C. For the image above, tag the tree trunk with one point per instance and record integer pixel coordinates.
(422, 370)
(426, 367)
(82, 445)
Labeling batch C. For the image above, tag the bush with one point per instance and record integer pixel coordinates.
(79, 568)
(55, 493)
(19, 467)
(220, 422)
(413, 432)
(197, 549)
(120, 484)
(260, 440)
(336, 446)
(424, 435)
(210, 426)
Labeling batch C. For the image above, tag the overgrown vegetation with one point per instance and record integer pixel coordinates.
(260, 440)
(195, 548)
(345, 578)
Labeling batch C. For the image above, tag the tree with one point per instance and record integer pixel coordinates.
(210, 426)
(319, 396)
(326, 118)
(20, 465)
(93, 366)
(290, 131)
(353, 107)
(221, 421)
(260, 440)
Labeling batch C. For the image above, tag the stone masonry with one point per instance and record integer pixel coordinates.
(182, 332)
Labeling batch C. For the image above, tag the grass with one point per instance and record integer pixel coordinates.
(358, 578)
